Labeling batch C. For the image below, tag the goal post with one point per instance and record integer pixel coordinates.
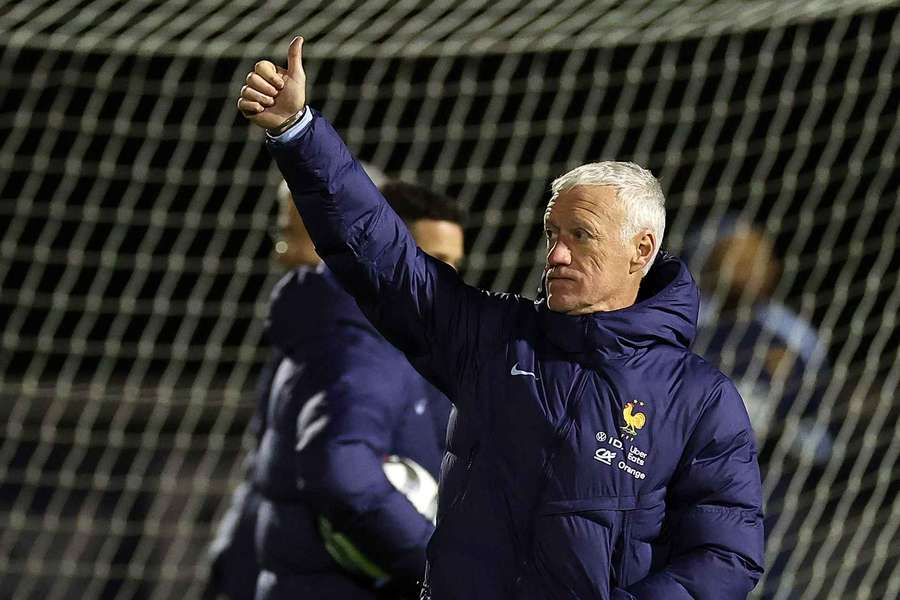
(136, 205)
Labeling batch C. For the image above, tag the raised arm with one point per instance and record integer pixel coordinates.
(417, 302)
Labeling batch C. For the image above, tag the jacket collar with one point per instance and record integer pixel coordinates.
(665, 313)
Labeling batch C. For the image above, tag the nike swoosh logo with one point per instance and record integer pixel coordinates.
(515, 371)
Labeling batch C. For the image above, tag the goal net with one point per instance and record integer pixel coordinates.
(135, 205)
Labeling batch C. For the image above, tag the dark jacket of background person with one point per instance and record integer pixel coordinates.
(532, 503)
(233, 563)
(340, 400)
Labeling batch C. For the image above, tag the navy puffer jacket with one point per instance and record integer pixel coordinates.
(590, 456)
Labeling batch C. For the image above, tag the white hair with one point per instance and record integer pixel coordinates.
(637, 189)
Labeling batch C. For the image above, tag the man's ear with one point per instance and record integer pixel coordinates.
(643, 243)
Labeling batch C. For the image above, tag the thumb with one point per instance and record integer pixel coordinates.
(295, 56)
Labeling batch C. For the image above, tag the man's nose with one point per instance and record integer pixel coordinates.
(559, 254)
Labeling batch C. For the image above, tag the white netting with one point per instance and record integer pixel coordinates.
(134, 206)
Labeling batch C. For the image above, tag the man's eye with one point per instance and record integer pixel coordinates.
(549, 234)
(581, 235)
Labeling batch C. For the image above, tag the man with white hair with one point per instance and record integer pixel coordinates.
(590, 454)
(612, 200)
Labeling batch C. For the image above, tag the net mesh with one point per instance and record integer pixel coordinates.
(135, 204)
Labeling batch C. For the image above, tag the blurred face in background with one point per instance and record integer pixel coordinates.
(441, 239)
(742, 268)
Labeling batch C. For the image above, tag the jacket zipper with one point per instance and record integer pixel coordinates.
(626, 546)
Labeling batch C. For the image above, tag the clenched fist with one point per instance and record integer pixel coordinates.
(272, 94)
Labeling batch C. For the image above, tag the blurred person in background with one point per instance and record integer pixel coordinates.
(336, 399)
(770, 352)
(235, 568)
(762, 344)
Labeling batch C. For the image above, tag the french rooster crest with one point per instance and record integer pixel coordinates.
(633, 420)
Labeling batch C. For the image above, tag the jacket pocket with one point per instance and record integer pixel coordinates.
(583, 548)
(573, 553)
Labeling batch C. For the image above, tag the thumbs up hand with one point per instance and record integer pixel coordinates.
(273, 94)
